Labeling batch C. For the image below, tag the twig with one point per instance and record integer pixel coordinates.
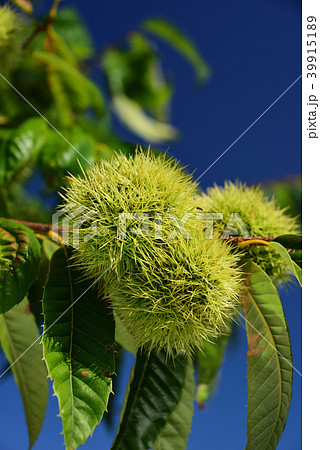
(238, 239)
(40, 27)
(44, 228)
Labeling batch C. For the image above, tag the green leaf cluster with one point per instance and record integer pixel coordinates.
(58, 117)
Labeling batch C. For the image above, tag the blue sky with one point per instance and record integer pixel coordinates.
(254, 51)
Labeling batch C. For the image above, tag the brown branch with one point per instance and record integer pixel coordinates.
(41, 27)
(243, 239)
(44, 228)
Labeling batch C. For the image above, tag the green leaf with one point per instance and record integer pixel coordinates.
(295, 269)
(135, 71)
(175, 434)
(269, 361)
(19, 262)
(140, 93)
(98, 128)
(209, 360)
(135, 118)
(153, 391)
(288, 194)
(181, 43)
(78, 344)
(61, 99)
(71, 27)
(82, 91)
(49, 247)
(35, 293)
(56, 157)
(123, 337)
(19, 147)
(18, 332)
(60, 47)
(293, 243)
(290, 241)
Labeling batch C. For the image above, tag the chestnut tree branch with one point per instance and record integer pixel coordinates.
(44, 228)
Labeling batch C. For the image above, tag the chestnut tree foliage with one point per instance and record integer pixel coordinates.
(173, 304)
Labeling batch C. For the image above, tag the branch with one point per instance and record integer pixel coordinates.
(244, 241)
(44, 228)
(40, 27)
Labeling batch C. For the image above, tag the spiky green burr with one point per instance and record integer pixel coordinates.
(261, 216)
(168, 290)
(190, 292)
(112, 191)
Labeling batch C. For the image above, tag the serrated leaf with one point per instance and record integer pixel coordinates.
(175, 434)
(295, 269)
(19, 147)
(134, 117)
(20, 254)
(269, 361)
(18, 332)
(180, 42)
(153, 391)
(78, 344)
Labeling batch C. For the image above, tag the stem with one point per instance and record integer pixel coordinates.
(238, 239)
(41, 228)
(253, 241)
(40, 27)
(44, 228)
(53, 10)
